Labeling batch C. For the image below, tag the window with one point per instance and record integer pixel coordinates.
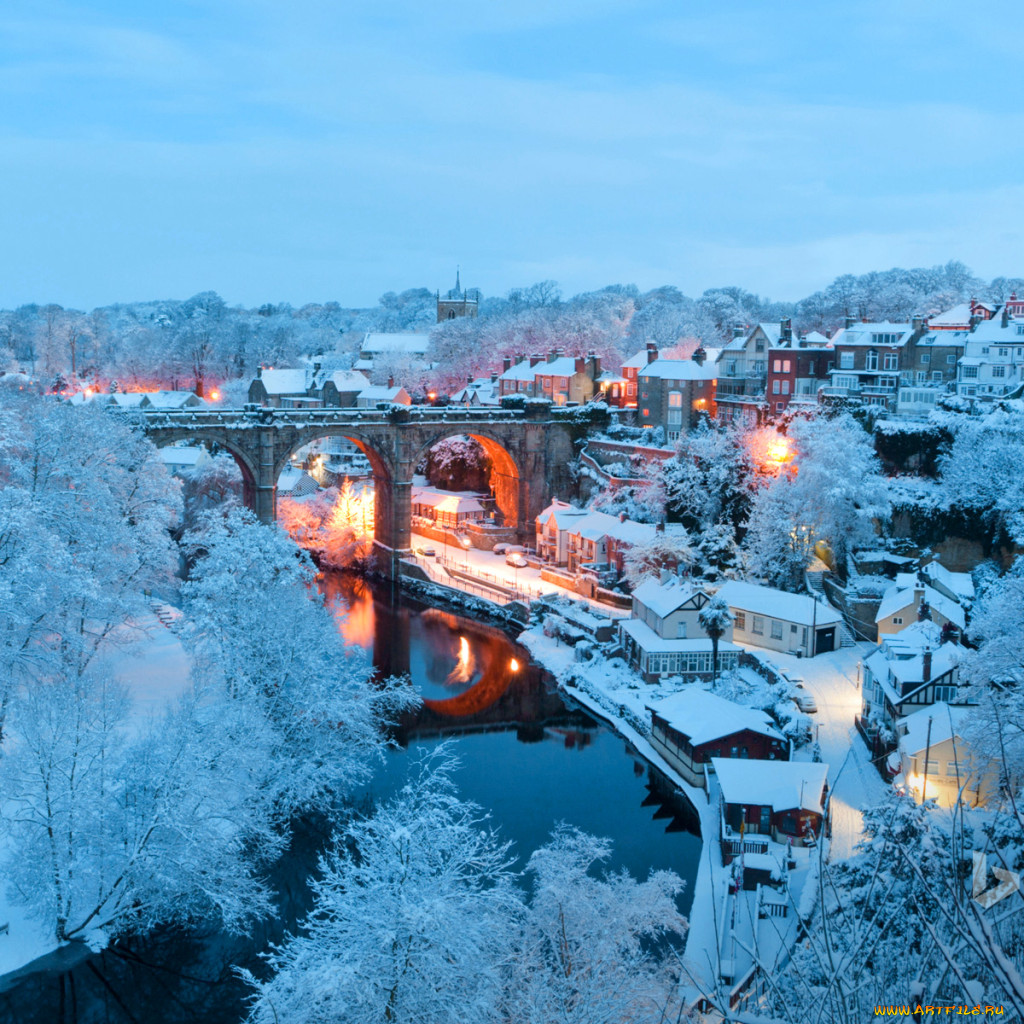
(780, 406)
(922, 376)
(776, 387)
(950, 360)
(785, 387)
(850, 382)
(1004, 352)
(885, 339)
(681, 631)
(969, 372)
(897, 620)
(1020, 328)
(998, 371)
(792, 627)
(926, 357)
(952, 768)
(871, 363)
(776, 629)
(758, 626)
(845, 360)
(777, 366)
(785, 365)
(675, 408)
(945, 693)
(740, 621)
(647, 412)
(891, 361)
(931, 767)
(675, 400)
(631, 390)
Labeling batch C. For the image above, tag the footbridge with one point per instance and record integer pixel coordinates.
(530, 452)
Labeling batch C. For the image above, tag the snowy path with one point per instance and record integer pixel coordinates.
(834, 682)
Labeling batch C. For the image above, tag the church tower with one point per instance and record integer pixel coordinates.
(455, 302)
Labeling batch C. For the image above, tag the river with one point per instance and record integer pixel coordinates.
(527, 759)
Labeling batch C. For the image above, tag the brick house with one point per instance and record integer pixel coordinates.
(692, 726)
(675, 393)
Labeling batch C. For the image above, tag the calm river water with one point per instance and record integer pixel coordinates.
(528, 759)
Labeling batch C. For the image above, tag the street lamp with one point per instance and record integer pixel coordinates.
(465, 542)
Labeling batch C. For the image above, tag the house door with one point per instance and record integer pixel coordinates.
(765, 825)
(826, 640)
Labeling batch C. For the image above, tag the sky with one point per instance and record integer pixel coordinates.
(320, 150)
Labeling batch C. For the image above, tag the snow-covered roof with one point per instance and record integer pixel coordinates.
(294, 381)
(650, 642)
(665, 598)
(946, 338)
(681, 369)
(483, 390)
(347, 380)
(815, 339)
(563, 366)
(172, 456)
(595, 525)
(170, 399)
(294, 478)
(896, 671)
(898, 598)
(380, 393)
(864, 334)
(566, 516)
(958, 583)
(958, 316)
(705, 716)
(637, 361)
(781, 785)
(799, 608)
(994, 331)
(406, 342)
(445, 502)
(945, 721)
(520, 371)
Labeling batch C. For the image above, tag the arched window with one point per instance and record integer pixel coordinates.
(451, 314)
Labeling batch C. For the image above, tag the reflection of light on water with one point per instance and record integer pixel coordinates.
(463, 670)
(513, 665)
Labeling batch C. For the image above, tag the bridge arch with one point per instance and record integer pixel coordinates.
(243, 459)
(506, 478)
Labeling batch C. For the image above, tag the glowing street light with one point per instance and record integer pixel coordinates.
(465, 542)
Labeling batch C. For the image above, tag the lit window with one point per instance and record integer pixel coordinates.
(785, 365)
(741, 620)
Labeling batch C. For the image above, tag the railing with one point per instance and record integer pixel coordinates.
(748, 844)
(302, 417)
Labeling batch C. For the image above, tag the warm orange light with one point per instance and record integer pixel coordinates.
(88, 392)
(513, 665)
(432, 395)
(215, 395)
(779, 451)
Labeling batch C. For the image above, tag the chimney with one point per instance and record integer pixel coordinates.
(699, 355)
(494, 378)
(581, 364)
(1006, 316)
(506, 364)
(622, 517)
(926, 669)
(828, 333)
(391, 381)
(849, 321)
(552, 355)
(535, 359)
(974, 321)
(917, 323)
(652, 352)
(664, 576)
(786, 330)
(259, 372)
(595, 365)
(738, 332)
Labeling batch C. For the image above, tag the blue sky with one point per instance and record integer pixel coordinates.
(335, 150)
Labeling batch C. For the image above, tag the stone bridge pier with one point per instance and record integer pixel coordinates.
(530, 454)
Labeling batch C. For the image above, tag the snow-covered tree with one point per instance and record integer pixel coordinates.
(414, 918)
(668, 550)
(594, 948)
(715, 619)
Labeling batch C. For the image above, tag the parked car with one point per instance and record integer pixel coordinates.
(805, 702)
(426, 552)
(500, 549)
(516, 558)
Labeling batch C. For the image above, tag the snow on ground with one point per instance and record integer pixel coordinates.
(834, 681)
(493, 568)
(155, 669)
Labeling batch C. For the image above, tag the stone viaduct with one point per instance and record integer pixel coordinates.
(530, 452)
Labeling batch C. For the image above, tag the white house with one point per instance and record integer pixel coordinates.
(378, 347)
(184, 460)
(779, 621)
(664, 636)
